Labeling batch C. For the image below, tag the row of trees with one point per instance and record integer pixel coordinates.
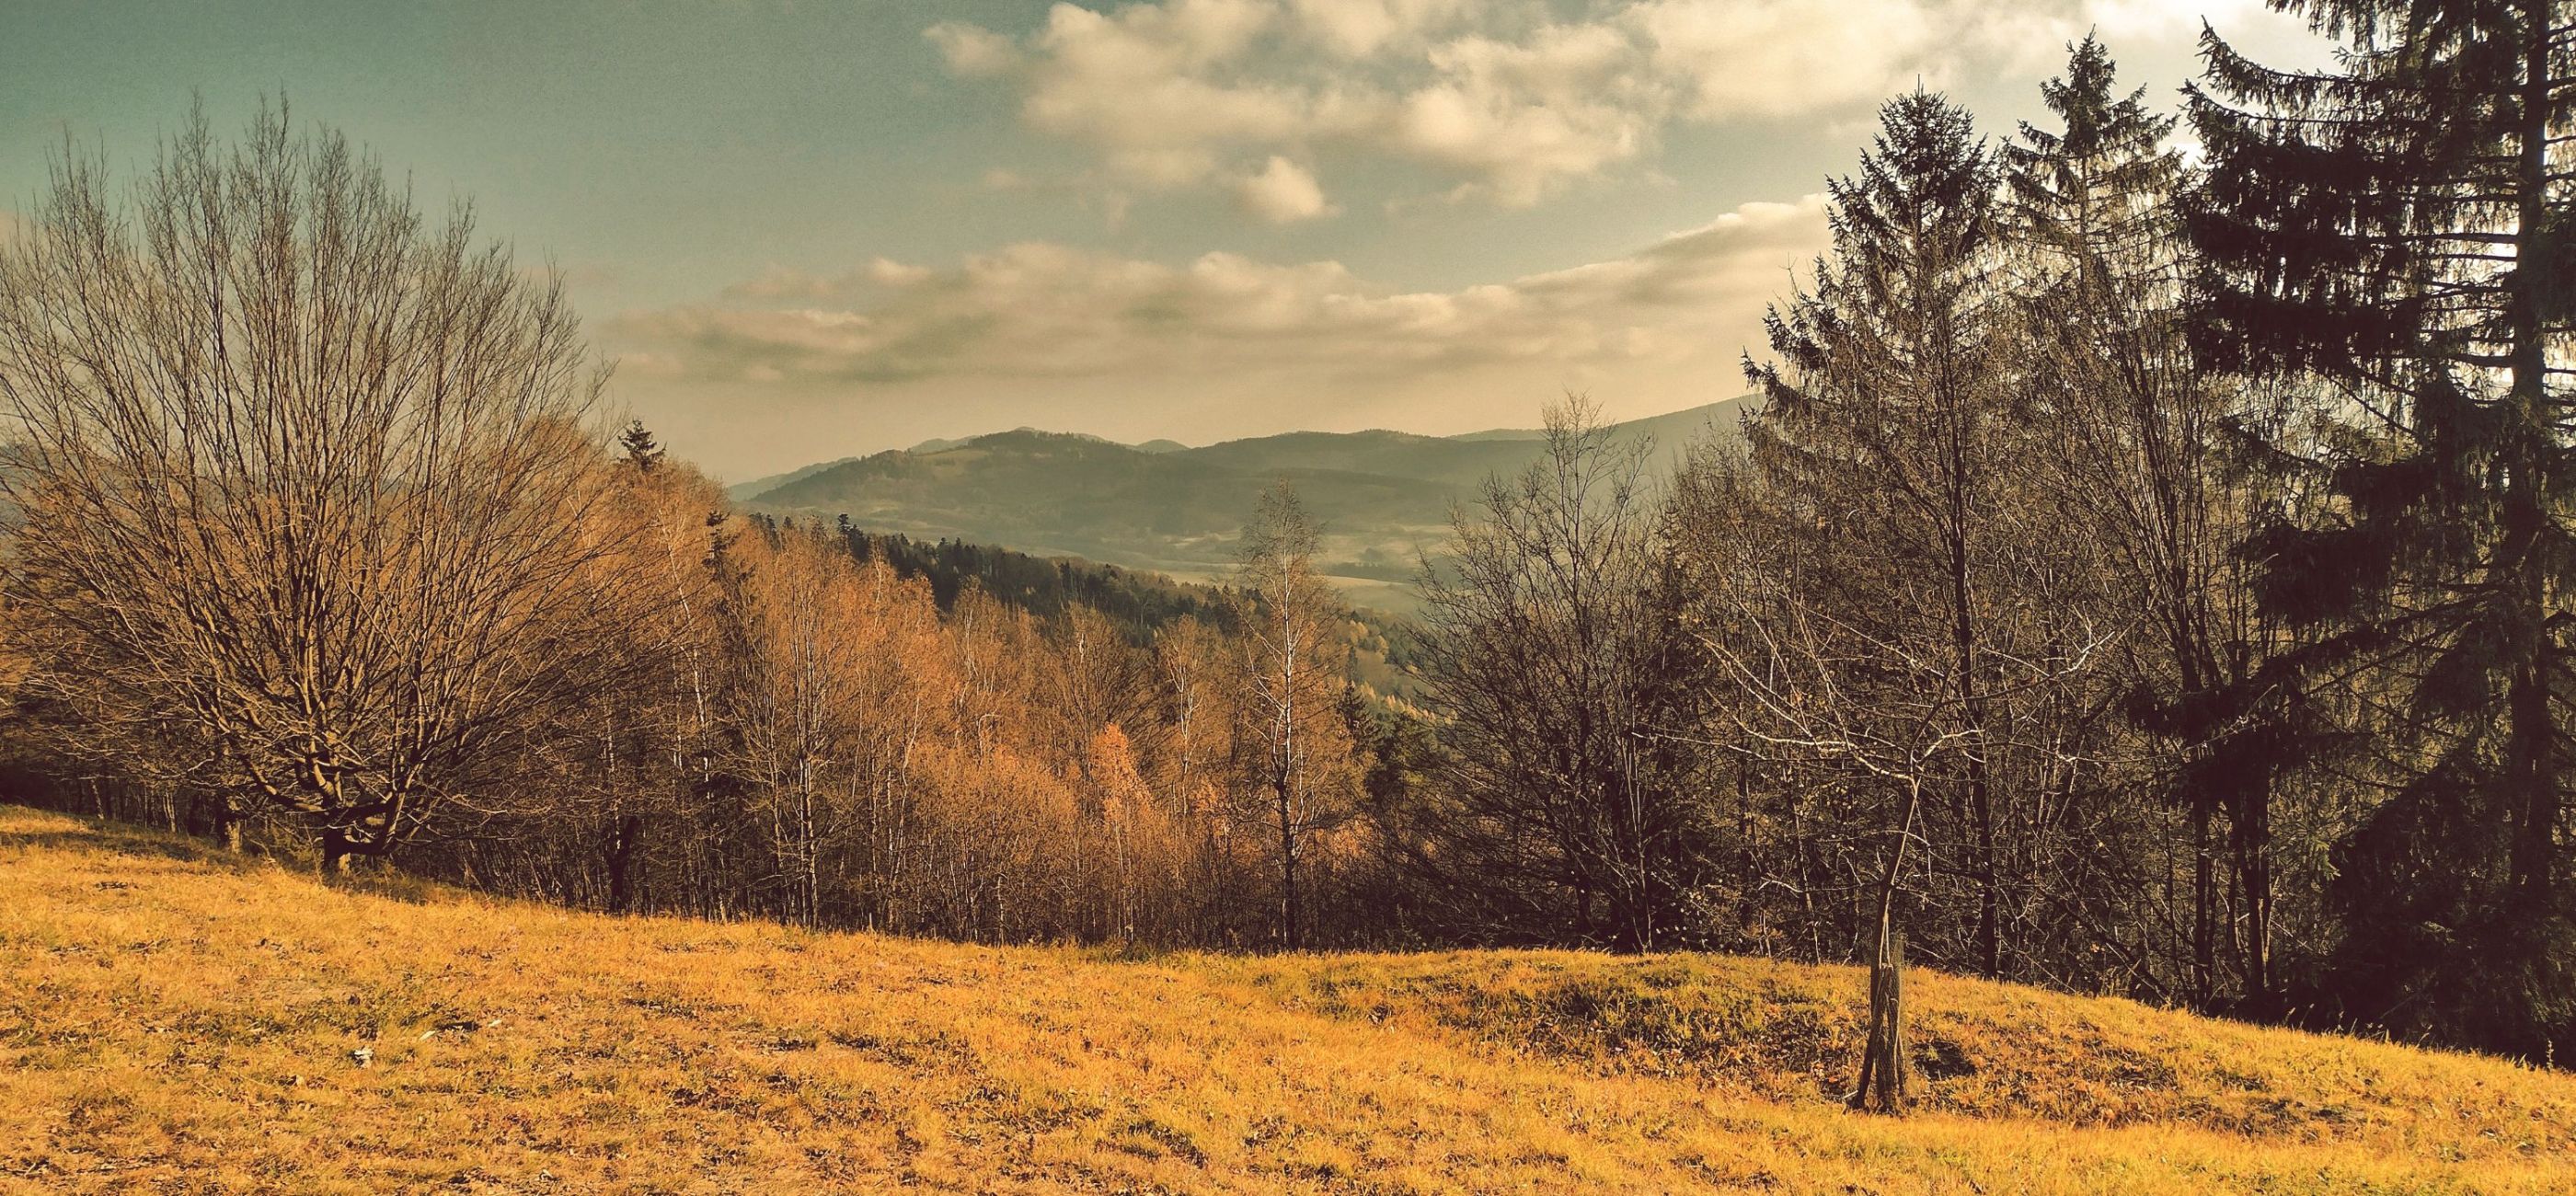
(312, 539)
(2141, 575)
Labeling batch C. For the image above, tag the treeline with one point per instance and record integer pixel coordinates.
(815, 736)
(312, 552)
(1386, 653)
(2143, 575)
(1139, 603)
(2146, 574)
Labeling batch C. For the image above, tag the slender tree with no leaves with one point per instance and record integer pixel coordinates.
(1297, 751)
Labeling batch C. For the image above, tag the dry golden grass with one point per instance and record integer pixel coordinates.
(174, 1020)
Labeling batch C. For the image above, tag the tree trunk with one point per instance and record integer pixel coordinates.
(2253, 834)
(1882, 1065)
(621, 864)
(1990, 956)
(2533, 730)
(2204, 902)
(1882, 1060)
(1288, 910)
(1981, 807)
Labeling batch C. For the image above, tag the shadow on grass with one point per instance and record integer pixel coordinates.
(53, 830)
(95, 836)
(79, 834)
(394, 885)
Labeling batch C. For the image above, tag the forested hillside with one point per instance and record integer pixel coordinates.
(1380, 499)
(1385, 648)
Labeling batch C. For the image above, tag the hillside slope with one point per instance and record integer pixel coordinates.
(1380, 497)
(173, 1019)
(1053, 494)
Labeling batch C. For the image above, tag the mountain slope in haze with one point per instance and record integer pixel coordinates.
(1673, 431)
(1381, 497)
(1053, 494)
(747, 491)
(175, 1018)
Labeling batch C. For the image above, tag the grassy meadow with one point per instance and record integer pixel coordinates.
(175, 1019)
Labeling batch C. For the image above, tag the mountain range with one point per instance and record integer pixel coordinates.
(1380, 498)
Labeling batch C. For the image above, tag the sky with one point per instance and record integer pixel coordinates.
(805, 230)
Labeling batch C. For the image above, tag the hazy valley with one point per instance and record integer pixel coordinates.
(1379, 498)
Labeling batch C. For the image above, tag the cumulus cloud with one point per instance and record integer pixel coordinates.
(1353, 29)
(1047, 311)
(1513, 100)
(1778, 57)
(1282, 193)
(971, 51)
(1516, 103)
(1516, 100)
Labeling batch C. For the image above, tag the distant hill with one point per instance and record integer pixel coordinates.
(1673, 431)
(1380, 496)
(746, 491)
(1394, 454)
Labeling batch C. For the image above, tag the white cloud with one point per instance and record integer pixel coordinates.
(1512, 100)
(888, 272)
(1780, 57)
(1282, 193)
(1521, 118)
(973, 52)
(1040, 310)
(1359, 28)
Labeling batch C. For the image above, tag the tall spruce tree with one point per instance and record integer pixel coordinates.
(2136, 447)
(1884, 420)
(642, 451)
(2393, 236)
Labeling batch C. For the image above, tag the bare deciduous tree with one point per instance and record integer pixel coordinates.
(1553, 646)
(1299, 752)
(302, 481)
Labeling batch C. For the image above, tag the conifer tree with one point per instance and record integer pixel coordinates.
(1884, 419)
(2391, 236)
(2134, 443)
(641, 450)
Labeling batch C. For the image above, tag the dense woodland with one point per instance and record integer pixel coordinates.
(2147, 572)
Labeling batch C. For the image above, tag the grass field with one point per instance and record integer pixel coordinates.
(172, 1019)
